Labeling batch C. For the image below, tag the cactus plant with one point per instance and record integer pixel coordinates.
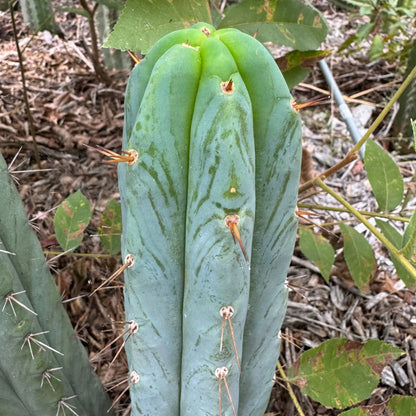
(105, 18)
(44, 369)
(407, 101)
(208, 203)
(39, 15)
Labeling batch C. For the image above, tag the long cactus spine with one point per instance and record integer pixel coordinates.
(208, 216)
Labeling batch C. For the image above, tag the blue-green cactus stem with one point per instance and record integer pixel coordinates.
(278, 155)
(17, 365)
(156, 186)
(220, 183)
(208, 214)
(138, 82)
(36, 336)
(139, 77)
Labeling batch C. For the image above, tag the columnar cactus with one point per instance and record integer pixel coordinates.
(39, 15)
(44, 369)
(208, 201)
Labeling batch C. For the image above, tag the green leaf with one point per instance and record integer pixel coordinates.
(348, 42)
(409, 237)
(302, 59)
(71, 219)
(357, 411)
(295, 75)
(414, 133)
(318, 250)
(358, 255)
(376, 48)
(384, 176)
(396, 238)
(216, 16)
(285, 22)
(341, 373)
(403, 405)
(390, 232)
(363, 32)
(143, 22)
(110, 229)
(366, 9)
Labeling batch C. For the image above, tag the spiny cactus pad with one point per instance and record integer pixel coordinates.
(209, 218)
(44, 369)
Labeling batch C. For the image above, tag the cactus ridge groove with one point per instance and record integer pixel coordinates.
(219, 150)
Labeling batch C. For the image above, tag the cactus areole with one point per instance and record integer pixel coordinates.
(208, 201)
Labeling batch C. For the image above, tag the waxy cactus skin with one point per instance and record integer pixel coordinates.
(218, 145)
(43, 366)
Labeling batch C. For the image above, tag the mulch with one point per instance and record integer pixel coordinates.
(73, 112)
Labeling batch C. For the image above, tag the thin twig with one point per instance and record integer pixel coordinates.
(95, 56)
(350, 157)
(366, 213)
(25, 97)
(386, 109)
(393, 250)
(352, 154)
(290, 390)
(347, 98)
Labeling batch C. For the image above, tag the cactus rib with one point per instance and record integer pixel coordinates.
(219, 154)
(156, 184)
(221, 157)
(277, 143)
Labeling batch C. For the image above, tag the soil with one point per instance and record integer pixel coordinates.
(73, 112)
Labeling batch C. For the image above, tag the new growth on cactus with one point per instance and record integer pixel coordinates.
(212, 148)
